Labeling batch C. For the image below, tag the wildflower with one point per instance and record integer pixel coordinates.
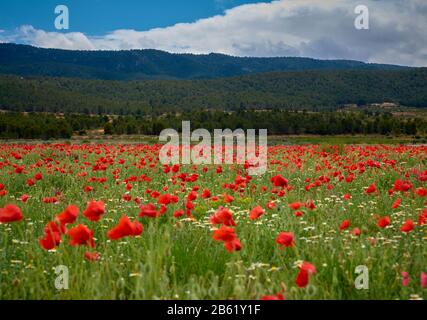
(279, 181)
(125, 228)
(345, 225)
(256, 212)
(371, 189)
(94, 210)
(277, 296)
(222, 216)
(408, 226)
(10, 213)
(306, 270)
(285, 239)
(69, 215)
(383, 222)
(148, 210)
(81, 235)
(92, 256)
(295, 205)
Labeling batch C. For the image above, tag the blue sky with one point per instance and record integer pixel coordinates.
(322, 29)
(96, 17)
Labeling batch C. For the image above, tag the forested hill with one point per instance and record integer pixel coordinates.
(153, 64)
(310, 90)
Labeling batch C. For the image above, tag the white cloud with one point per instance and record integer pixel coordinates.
(319, 29)
(40, 38)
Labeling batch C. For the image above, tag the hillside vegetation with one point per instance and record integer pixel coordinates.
(153, 64)
(308, 90)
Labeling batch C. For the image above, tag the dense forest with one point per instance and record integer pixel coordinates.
(277, 122)
(302, 90)
(46, 126)
(154, 64)
(49, 126)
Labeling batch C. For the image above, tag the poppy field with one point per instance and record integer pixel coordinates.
(127, 227)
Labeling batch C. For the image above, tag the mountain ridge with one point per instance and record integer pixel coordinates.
(24, 60)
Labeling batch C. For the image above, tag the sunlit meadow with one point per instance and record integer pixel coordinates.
(128, 227)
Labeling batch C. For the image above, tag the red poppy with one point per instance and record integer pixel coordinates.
(306, 270)
(383, 222)
(285, 239)
(24, 197)
(52, 236)
(344, 225)
(69, 215)
(206, 194)
(422, 192)
(92, 256)
(371, 189)
(125, 228)
(356, 232)
(127, 197)
(270, 205)
(396, 203)
(167, 199)
(94, 210)
(402, 186)
(178, 213)
(233, 245)
(225, 234)
(227, 198)
(81, 235)
(50, 241)
(279, 181)
(405, 278)
(10, 213)
(423, 280)
(222, 216)
(148, 210)
(295, 205)
(189, 205)
(422, 218)
(256, 212)
(277, 296)
(310, 205)
(192, 196)
(175, 168)
(298, 213)
(408, 226)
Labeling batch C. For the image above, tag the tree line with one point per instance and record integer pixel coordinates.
(15, 125)
(277, 122)
(302, 90)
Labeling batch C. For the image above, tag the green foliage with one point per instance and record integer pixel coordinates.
(152, 64)
(308, 90)
(45, 126)
(276, 121)
(15, 125)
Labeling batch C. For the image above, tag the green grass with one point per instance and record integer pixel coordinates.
(177, 258)
(272, 140)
